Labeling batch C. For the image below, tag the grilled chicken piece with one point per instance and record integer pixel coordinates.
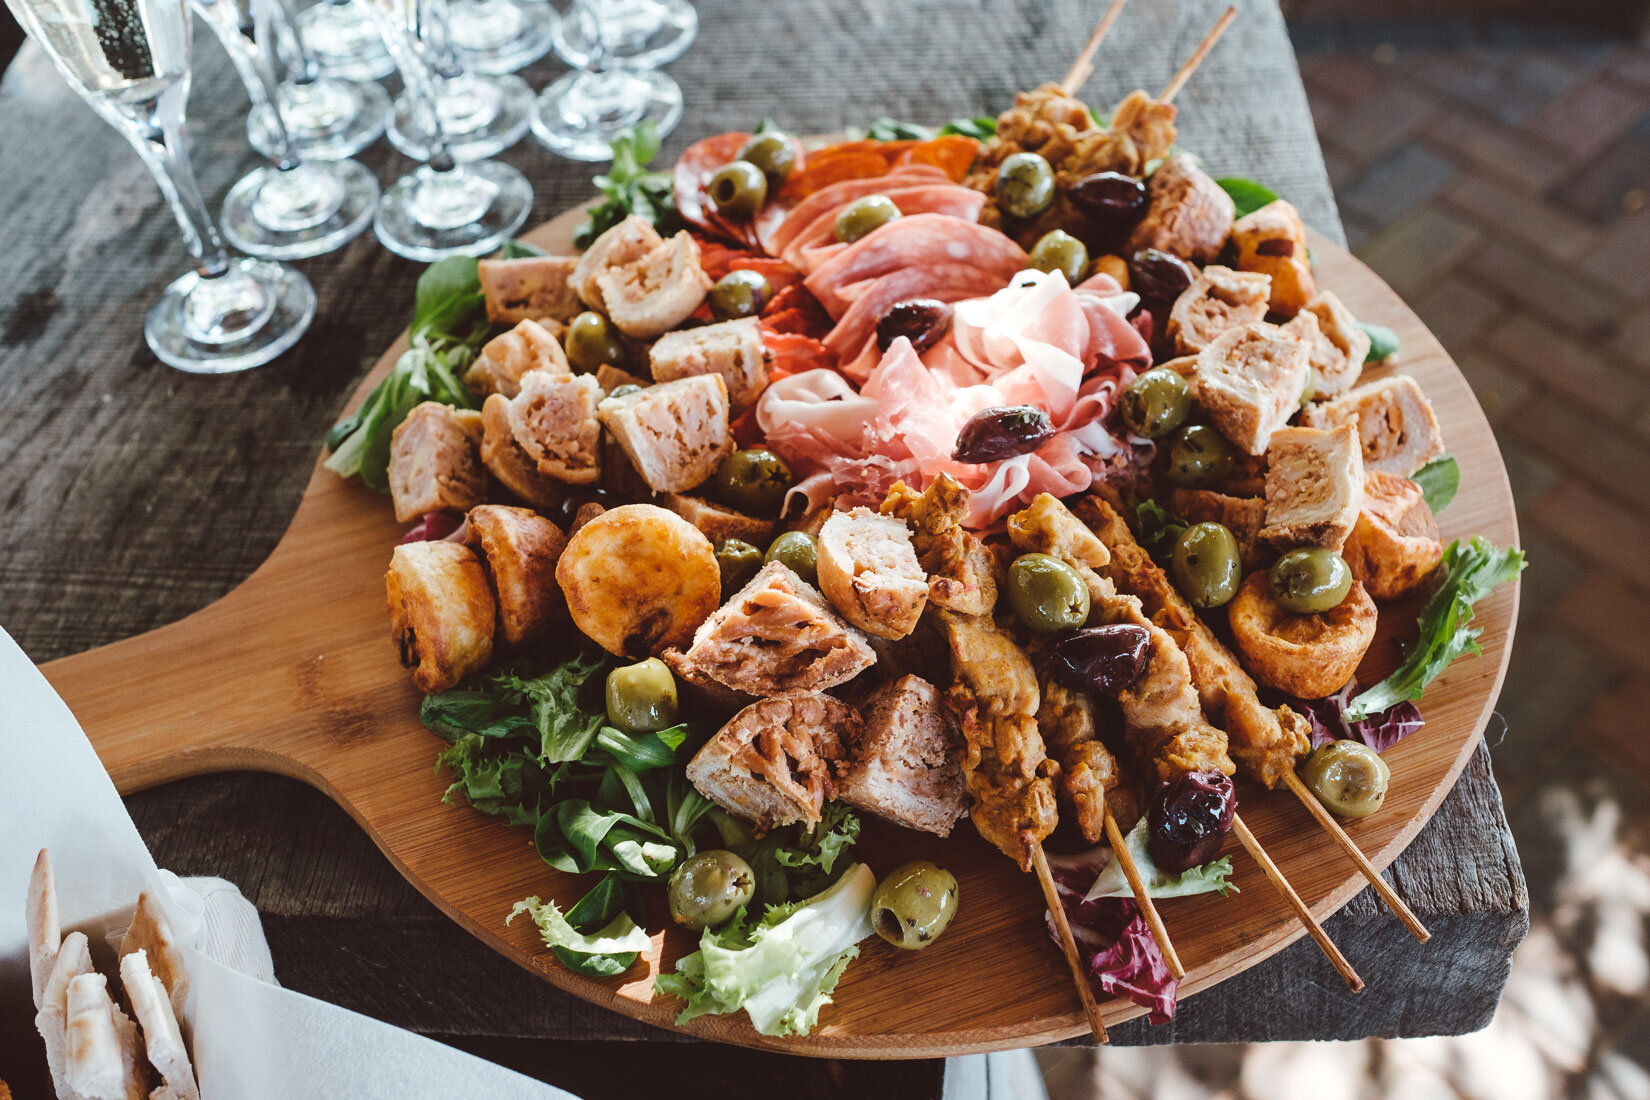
(1218, 301)
(1272, 240)
(506, 357)
(513, 467)
(553, 418)
(1091, 778)
(906, 764)
(1190, 215)
(519, 549)
(441, 612)
(733, 349)
(961, 576)
(674, 433)
(1395, 546)
(869, 572)
(1250, 381)
(435, 461)
(657, 292)
(1141, 131)
(1395, 423)
(529, 288)
(771, 764)
(1314, 487)
(776, 636)
(1334, 343)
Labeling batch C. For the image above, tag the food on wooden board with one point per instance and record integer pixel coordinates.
(913, 904)
(849, 372)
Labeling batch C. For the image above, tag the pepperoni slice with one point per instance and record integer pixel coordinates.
(953, 153)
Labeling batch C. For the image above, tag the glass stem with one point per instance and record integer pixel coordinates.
(402, 44)
(244, 28)
(160, 142)
(300, 63)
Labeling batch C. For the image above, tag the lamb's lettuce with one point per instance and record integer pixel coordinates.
(609, 950)
(1211, 877)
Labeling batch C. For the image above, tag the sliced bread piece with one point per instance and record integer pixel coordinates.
(1219, 299)
(657, 292)
(1394, 420)
(435, 461)
(733, 349)
(553, 418)
(1314, 487)
(506, 357)
(529, 288)
(675, 433)
(906, 765)
(1395, 545)
(625, 243)
(519, 549)
(771, 764)
(1272, 240)
(1249, 380)
(869, 571)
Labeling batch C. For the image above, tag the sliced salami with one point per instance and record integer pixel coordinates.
(920, 240)
(811, 245)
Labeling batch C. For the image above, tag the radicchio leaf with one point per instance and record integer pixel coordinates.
(1379, 731)
(1113, 938)
(434, 527)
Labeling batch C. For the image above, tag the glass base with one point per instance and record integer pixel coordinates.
(643, 34)
(344, 42)
(307, 211)
(500, 36)
(480, 115)
(580, 113)
(469, 211)
(327, 120)
(243, 318)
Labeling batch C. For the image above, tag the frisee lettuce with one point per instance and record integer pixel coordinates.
(789, 862)
(1470, 571)
(1211, 877)
(609, 950)
(782, 970)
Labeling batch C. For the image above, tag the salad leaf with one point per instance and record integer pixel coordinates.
(798, 860)
(1380, 732)
(980, 127)
(609, 950)
(566, 724)
(1113, 938)
(516, 250)
(452, 714)
(1470, 571)
(577, 835)
(510, 785)
(782, 970)
(1157, 529)
(449, 298)
(891, 129)
(1247, 195)
(629, 187)
(1383, 342)
(1439, 480)
(1208, 878)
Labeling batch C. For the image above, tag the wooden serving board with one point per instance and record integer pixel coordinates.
(294, 672)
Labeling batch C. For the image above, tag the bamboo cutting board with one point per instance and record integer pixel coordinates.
(293, 672)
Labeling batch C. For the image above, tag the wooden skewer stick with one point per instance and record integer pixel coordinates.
(1338, 834)
(1178, 81)
(1132, 873)
(1325, 944)
(1081, 69)
(1068, 945)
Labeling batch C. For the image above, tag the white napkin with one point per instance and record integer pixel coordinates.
(253, 1040)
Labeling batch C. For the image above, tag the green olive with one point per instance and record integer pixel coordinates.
(1347, 776)
(1199, 456)
(641, 698)
(739, 293)
(709, 888)
(1206, 565)
(592, 341)
(1156, 403)
(773, 153)
(799, 552)
(1025, 185)
(1310, 579)
(754, 480)
(1047, 594)
(624, 390)
(914, 904)
(738, 188)
(739, 561)
(1060, 251)
(863, 215)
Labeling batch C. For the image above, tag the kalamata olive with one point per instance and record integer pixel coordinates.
(1059, 251)
(1158, 276)
(739, 293)
(1025, 185)
(1188, 818)
(923, 321)
(1101, 660)
(1111, 200)
(1347, 776)
(862, 216)
(1199, 456)
(1156, 403)
(1047, 594)
(1002, 432)
(914, 904)
(1310, 579)
(773, 153)
(1207, 566)
(738, 188)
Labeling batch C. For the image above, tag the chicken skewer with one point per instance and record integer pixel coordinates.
(1268, 745)
(1178, 81)
(1083, 68)
(995, 698)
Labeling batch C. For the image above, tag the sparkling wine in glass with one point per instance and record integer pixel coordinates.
(500, 36)
(579, 115)
(479, 115)
(293, 208)
(129, 60)
(643, 34)
(444, 207)
(325, 117)
(345, 42)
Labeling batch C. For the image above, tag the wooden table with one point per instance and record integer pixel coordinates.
(135, 494)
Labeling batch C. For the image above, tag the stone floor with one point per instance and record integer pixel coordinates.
(1500, 181)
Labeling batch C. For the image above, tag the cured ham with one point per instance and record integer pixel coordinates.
(816, 242)
(920, 240)
(853, 339)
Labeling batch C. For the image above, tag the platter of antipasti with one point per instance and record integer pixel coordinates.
(916, 591)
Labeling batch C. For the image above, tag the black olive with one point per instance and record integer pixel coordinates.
(1159, 277)
(1102, 660)
(1002, 432)
(920, 320)
(1111, 200)
(1188, 818)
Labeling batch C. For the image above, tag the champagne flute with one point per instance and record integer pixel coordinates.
(479, 115)
(443, 207)
(580, 114)
(345, 42)
(326, 118)
(500, 36)
(291, 209)
(129, 60)
(642, 34)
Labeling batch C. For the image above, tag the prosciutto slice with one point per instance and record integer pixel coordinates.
(855, 330)
(920, 240)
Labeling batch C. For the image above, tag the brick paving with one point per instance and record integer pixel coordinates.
(1500, 181)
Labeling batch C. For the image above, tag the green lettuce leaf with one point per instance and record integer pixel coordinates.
(449, 298)
(605, 952)
(1247, 195)
(629, 187)
(578, 836)
(782, 970)
(510, 784)
(1439, 480)
(892, 129)
(797, 860)
(567, 718)
(1157, 529)
(1470, 571)
(980, 127)
(1210, 877)
(1383, 342)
